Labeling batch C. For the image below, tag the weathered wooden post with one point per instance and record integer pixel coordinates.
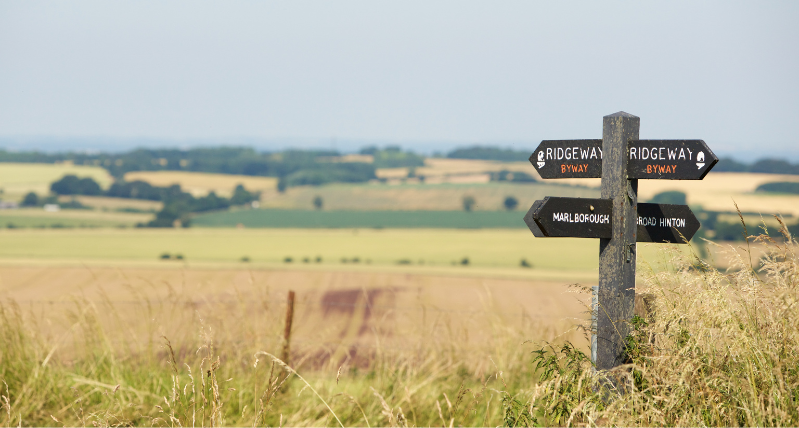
(286, 354)
(616, 294)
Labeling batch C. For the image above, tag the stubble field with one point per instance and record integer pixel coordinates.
(100, 315)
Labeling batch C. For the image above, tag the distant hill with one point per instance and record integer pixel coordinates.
(765, 166)
(489, 153)
(305, 167)
(292, 167)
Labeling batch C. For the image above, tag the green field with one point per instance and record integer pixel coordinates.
(363, 219)
(68, 218)
(427, 196)
(489, 251)
(12, 222)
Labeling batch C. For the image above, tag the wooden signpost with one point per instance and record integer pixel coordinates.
(617, 219)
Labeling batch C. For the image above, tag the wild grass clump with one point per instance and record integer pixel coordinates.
(718, 349)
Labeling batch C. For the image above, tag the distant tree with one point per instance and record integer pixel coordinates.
(779, 187)
(489, 153)
(670, 197)
(242, 196)
(369, 150)
(281, 185)
(31, 200)
(468, 203)
(72, 185)
(510, 203)
(793, 229)
(394, 157)
(209, 202)
(174, 212)
(137, 190)
(774, 166)
(513, 176)
(730, 165)
(318, 202)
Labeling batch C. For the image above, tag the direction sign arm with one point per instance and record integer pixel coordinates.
(530, 221)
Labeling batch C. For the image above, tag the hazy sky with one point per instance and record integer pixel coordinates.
(410, 72)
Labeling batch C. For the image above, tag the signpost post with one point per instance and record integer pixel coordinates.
(617, 219)
(616, 296)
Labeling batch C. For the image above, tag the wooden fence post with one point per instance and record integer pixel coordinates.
(285, 355)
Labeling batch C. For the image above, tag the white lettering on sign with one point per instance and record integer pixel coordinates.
(573, 153)
(660, 153)
(581, 218)
(661, 222)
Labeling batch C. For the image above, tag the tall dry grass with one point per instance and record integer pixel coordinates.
(182, 362)
(720, 349)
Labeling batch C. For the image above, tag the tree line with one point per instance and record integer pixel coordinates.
(765, 166)
(303, 167)
(291, 167)
(177, 204)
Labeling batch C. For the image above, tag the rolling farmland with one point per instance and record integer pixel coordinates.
(404, 319)
(17, 179)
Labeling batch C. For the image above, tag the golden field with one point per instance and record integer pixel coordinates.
(201, 183)
(104, 203)
(718, 191)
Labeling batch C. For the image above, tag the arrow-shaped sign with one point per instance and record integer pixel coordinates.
(572, 217)
(530, 222)
(568, 159)
(592, 218)
(666, 223)
(648, 159)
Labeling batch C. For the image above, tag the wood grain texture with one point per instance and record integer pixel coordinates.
(616, 294)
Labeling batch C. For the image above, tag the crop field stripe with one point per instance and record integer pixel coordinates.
(362, 219)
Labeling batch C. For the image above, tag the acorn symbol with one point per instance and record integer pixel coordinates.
(700, 160)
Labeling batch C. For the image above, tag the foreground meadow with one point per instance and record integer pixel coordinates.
(87, 339)
(138, 346)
